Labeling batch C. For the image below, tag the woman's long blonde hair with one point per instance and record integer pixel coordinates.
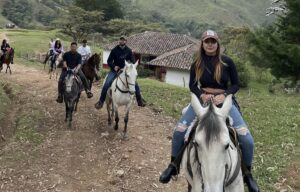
(199, 65)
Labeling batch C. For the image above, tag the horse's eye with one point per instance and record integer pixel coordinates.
(226, 147)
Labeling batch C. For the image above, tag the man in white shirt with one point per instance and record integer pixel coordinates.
(85, 51)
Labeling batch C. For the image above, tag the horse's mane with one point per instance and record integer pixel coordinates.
(90, 61)
(210, 123)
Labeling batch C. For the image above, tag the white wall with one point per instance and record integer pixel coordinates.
(105, 56)
(177, 77)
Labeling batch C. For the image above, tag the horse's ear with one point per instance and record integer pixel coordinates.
(199, 110)
(226, 107)
(136, 64)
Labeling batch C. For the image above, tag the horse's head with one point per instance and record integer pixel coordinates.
(69, 80)
(131, 75)
(211, 144)
(96, 58)
(59, 59)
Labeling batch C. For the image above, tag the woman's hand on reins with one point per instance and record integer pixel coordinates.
(219, 99)
(206, 97)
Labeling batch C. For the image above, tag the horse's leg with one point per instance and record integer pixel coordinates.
(50, 73)
(77, 101)
(115, 109)
(6, 68)
(71, 109)
(126, 120)
(189, 188)
(108, 105)
(91, 83)
(66, 104)
(9, 69)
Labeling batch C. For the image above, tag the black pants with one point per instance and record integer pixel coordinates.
(63, 76)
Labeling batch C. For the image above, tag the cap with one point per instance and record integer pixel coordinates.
(123, 38)
(209, 34)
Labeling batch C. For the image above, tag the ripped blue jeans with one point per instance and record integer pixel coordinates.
(244, 136)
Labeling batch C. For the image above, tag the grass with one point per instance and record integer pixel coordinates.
(168, 98)
(4, 102)
(27, 126)
(7, 92)
(274, 121)
(36, 41)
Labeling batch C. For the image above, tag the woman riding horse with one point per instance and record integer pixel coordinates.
(209, 77)
(4, 48)
(58, 49)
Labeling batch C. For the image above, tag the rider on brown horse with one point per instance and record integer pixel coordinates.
(4, 48)
(85, 51)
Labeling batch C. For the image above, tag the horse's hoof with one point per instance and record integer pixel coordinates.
(125, 136)
(116, 127)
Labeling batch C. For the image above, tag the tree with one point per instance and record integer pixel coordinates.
(79, 23)
(118, 27)
(234, 40)
(278, 46)
(19, 12)
(111, 8)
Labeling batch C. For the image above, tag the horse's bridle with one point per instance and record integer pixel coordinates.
(125, 84)
(227, 181)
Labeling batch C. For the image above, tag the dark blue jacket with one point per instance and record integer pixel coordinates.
(118, 56)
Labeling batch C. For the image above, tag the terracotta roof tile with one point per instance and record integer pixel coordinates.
(180, 58)
(155, 43)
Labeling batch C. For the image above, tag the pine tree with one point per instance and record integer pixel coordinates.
(278, 47)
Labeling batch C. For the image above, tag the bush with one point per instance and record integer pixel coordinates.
(103, 72)
(144, 72)
(243, 71)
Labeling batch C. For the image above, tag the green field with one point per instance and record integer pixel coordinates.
(36, 41)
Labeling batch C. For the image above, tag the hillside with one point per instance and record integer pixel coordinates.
(173, 12)
(31, 13)
(233, 12)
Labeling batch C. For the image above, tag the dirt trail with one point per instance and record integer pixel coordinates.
(90, 158)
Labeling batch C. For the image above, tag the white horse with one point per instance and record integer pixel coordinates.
(122, 93)
(211, 162)
(53, 68)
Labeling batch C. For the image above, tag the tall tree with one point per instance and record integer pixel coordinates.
(110, 8)
(79, 23)
(278, 46)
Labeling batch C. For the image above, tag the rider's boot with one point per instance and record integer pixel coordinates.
(99, 105)
(140, 101)
(89, 94)
(250, 181)
(171, 171)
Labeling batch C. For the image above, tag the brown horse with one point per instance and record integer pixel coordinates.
(7, 58)
(90, 66)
